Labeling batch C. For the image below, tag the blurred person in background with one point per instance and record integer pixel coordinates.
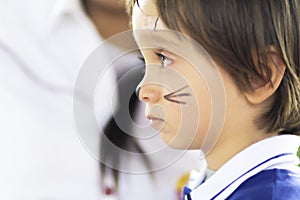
(43, 44)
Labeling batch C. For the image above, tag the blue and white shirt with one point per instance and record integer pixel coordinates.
(265, 170)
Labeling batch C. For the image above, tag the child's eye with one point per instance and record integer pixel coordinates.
(165, 61)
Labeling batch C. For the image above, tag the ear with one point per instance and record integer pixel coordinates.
(263, 89)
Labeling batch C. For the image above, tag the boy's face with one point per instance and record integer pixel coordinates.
(181, 83)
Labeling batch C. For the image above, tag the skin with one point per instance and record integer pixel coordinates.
(239, 130)
(155, 95)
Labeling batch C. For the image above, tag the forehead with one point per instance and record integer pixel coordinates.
(146, 24)
(145, 19)
(145, 16)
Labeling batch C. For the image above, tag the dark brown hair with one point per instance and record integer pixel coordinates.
(232, 30)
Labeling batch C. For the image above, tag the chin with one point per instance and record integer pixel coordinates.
(179, 141)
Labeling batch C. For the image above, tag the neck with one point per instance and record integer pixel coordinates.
(109, 20)
(227, 148)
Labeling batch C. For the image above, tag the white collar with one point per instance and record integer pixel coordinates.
(275, 152)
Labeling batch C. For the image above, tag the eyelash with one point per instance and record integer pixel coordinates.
(165, 61)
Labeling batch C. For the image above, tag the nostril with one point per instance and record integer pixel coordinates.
(145, 99)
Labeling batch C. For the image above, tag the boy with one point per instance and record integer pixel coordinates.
(254, 49)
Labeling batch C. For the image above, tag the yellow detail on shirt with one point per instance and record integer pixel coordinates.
(182, 181)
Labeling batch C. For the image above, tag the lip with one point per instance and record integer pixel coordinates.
(156, 122)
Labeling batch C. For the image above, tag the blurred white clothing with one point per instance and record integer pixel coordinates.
(43, 44)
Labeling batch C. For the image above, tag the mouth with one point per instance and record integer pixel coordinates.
(156, 122)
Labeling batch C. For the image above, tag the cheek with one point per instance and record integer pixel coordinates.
(202, 103)
(174, 115)
(187, 124)
(175, 133)
(205, 113)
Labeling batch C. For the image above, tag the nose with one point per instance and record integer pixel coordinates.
(149, 93)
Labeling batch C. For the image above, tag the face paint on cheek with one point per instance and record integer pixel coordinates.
(182, 118)
(176, 94)
(178, 106)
